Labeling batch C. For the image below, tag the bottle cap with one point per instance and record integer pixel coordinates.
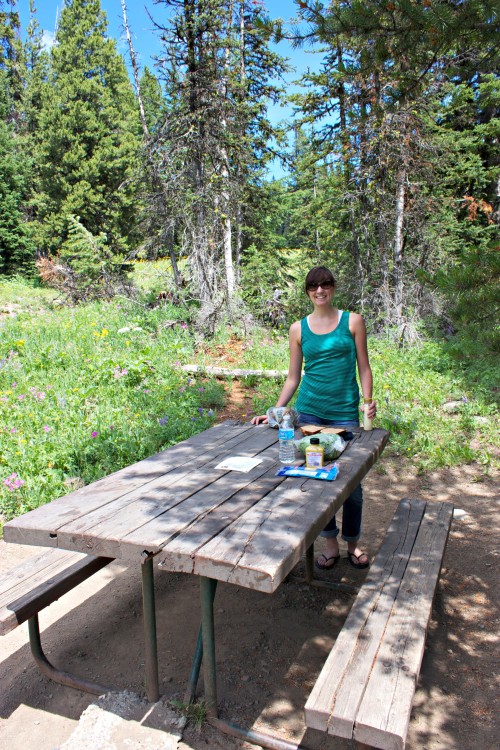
(314, 441)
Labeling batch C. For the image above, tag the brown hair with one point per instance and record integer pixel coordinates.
(317, 275)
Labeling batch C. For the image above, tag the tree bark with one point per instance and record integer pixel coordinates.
(398, 245)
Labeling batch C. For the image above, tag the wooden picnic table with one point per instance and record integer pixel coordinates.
(180, 507)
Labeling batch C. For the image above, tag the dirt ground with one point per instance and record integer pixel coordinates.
(272, 647)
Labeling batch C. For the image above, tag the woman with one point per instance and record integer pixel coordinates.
(331, 342)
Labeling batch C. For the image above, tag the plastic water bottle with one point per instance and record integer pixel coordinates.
(286, 435)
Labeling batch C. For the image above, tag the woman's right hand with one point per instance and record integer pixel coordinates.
(261, 418)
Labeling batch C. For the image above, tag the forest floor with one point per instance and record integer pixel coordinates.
(270, 656)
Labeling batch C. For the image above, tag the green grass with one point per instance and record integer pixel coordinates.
(85, 391)
(88, 390)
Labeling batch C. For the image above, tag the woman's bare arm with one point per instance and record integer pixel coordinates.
(358, 329)
(294, 371)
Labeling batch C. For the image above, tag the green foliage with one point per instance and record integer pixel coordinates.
(16, 250)
(85, 391)
(194, 712)
(87, 136)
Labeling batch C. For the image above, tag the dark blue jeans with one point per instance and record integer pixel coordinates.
(353, 507)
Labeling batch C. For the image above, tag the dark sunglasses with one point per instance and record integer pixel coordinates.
(312, 286)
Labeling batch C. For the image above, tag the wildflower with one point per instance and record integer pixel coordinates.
(111, 427)
(200, 409)
(181, 389)
(210, 412)
(13, 431)
(163, 421)
(21, 397)
(47, 428)
(183, 325)
(95, 434)
(104, 332)
(20, 342)
(13, 482)
(14, 385)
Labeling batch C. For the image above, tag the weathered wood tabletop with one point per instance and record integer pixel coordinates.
(245, 528)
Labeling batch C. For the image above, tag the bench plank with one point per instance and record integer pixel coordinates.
(384, 715)
(39, 581)
(357, 643)
(365, 690)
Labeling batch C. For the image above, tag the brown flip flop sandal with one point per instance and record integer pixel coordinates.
(327, 564)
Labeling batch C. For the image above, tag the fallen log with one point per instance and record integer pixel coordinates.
(236, 373)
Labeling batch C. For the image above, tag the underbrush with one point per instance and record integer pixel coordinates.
(85, 391)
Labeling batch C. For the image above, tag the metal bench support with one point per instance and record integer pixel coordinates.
(48, 669)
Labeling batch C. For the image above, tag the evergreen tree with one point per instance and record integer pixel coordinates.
(16, 251)
(87, 136)
(385, 68)
(15, 248)
(217, 73)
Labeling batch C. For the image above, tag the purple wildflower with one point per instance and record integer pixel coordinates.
(13, 482)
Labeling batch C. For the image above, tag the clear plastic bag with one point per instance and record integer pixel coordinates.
(275, 415)
(333, 445)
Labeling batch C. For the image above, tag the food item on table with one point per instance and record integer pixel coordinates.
(333, 445)
(315, 454)
(310, 429)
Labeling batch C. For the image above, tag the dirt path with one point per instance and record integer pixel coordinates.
(275, 646)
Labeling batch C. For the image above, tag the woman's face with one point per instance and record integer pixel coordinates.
(321, 295)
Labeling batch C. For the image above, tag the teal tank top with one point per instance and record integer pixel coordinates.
(329, 388)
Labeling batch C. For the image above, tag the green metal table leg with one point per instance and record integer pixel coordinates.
(309, 563)
(190, 693)
(48, 669)
(207, 594)
(151, 651)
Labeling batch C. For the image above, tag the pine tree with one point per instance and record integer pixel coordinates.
(385, 68)
(217, 74)
(16, 251)
(87, 136)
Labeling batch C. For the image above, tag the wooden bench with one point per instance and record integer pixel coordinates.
(32, 586)
(366, 687)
